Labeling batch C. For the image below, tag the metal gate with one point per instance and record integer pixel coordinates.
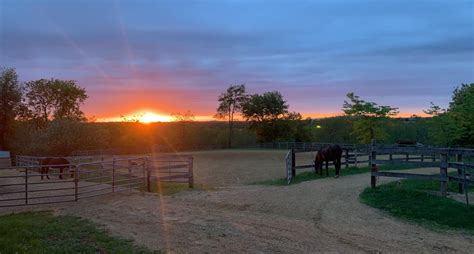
(22, 185)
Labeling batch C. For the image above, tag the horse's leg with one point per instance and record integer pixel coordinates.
(61, 170)
(47, 172)
(327, 168)
(41, 170)
(337, 166)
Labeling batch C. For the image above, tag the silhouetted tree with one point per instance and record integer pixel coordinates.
(268, 115)
(10, 102)
(230, 103)
(55, 99)
(368, 117)
(455, 125)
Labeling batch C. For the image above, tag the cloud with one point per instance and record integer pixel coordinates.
(313, 52)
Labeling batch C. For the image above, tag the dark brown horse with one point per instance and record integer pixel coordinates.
(325, 154)
(60, 163)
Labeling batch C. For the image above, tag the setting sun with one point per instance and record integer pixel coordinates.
(152, 117)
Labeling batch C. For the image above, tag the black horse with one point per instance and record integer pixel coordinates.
(325, 154)
(60, 163)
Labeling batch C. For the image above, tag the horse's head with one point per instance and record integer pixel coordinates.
(318, 161)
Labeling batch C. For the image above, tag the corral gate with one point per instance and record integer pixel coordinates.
(22, 185)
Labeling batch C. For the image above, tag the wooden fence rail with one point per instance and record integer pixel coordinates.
(352, 155)
(464, 170)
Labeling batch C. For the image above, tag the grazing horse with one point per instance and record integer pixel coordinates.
(325, 154)
(47, 163)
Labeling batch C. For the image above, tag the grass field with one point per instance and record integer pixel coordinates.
(413, 200)
(42, 232)
(310, 175)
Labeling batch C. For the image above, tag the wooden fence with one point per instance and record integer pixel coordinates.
(22, 185)
(425, 157)
(352, 154)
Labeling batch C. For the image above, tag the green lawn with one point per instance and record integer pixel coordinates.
(310, 175)
(411, 200)
(42, 232)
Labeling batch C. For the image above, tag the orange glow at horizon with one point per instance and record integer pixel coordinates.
(148, 116)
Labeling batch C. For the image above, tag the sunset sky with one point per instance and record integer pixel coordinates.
(171, 56)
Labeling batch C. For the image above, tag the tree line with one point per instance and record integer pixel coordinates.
(267, 114)
(44, 117)
(37, 102)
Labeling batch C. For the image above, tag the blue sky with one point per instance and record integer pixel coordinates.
(170, 56)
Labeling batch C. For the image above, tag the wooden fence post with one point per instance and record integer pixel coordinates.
(390, 156)
(465, 185)
(190, 172)
(293, 162)
(443, 172)
(422, 157)
(460, 173)
(347, 157)
(373, 168)
(76, 183)
(355, 155)
(26, 185)
(407, 157)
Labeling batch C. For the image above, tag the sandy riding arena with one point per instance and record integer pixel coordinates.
(316, 216)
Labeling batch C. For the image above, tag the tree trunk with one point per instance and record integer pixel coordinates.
(231, 122)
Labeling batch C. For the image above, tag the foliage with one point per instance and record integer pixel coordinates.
(55, 99)
(310, 175)
(183, 120)
(268, 115)
(135, 138)
(368, 116)
(454, 126)
(10, 103)
(132, 119)
(333, 130)
(411, 200)
(58, 137)
(230, 103)
(443, 130)
(461, 110)
(41, 232)
(183, 117)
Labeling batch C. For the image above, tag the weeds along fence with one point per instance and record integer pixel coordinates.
(442, 158)
(352, 155)
(22, 185)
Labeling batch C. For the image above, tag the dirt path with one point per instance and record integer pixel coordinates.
(316, 216)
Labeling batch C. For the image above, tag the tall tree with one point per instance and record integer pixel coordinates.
(461, 110)
(10, 102)
(268, 115)
(443, 130)
(230, 103)
(368, 117)
(455, 125)
(55, 99)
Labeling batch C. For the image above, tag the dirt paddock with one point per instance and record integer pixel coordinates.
(316, 216)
